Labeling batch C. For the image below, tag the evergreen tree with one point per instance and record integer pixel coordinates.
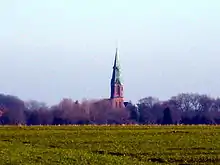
(167, 117)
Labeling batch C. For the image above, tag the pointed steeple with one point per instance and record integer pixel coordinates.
(116, 81)
(116, 75)
(116, 63)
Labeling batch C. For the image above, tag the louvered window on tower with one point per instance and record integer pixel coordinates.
(119, 91)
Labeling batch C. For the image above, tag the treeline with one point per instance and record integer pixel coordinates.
(186, 108)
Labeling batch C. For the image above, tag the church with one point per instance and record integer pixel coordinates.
(117, 89)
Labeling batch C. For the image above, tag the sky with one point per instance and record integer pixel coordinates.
(53, 49)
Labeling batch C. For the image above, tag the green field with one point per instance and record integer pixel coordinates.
(109, 145)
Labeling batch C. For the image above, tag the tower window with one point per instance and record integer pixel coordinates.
(119, 91)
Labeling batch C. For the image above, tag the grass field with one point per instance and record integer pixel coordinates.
(109, 145)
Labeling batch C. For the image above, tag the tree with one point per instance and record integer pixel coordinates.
(34, 105)
(133, 112)
(148, 101)
(167, 117)
(13, 110)
(192, 102)
(150, 110)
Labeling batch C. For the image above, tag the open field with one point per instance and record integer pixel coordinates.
(109, 145)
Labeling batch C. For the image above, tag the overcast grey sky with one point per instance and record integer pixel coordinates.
(50, 49)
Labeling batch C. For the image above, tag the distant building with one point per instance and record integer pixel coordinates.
(117, 89)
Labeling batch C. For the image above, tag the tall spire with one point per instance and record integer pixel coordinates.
(116, 82)
(116, 75)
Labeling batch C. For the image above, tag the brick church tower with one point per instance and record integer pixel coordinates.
(117, 98)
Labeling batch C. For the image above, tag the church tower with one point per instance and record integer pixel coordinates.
(117, 98)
